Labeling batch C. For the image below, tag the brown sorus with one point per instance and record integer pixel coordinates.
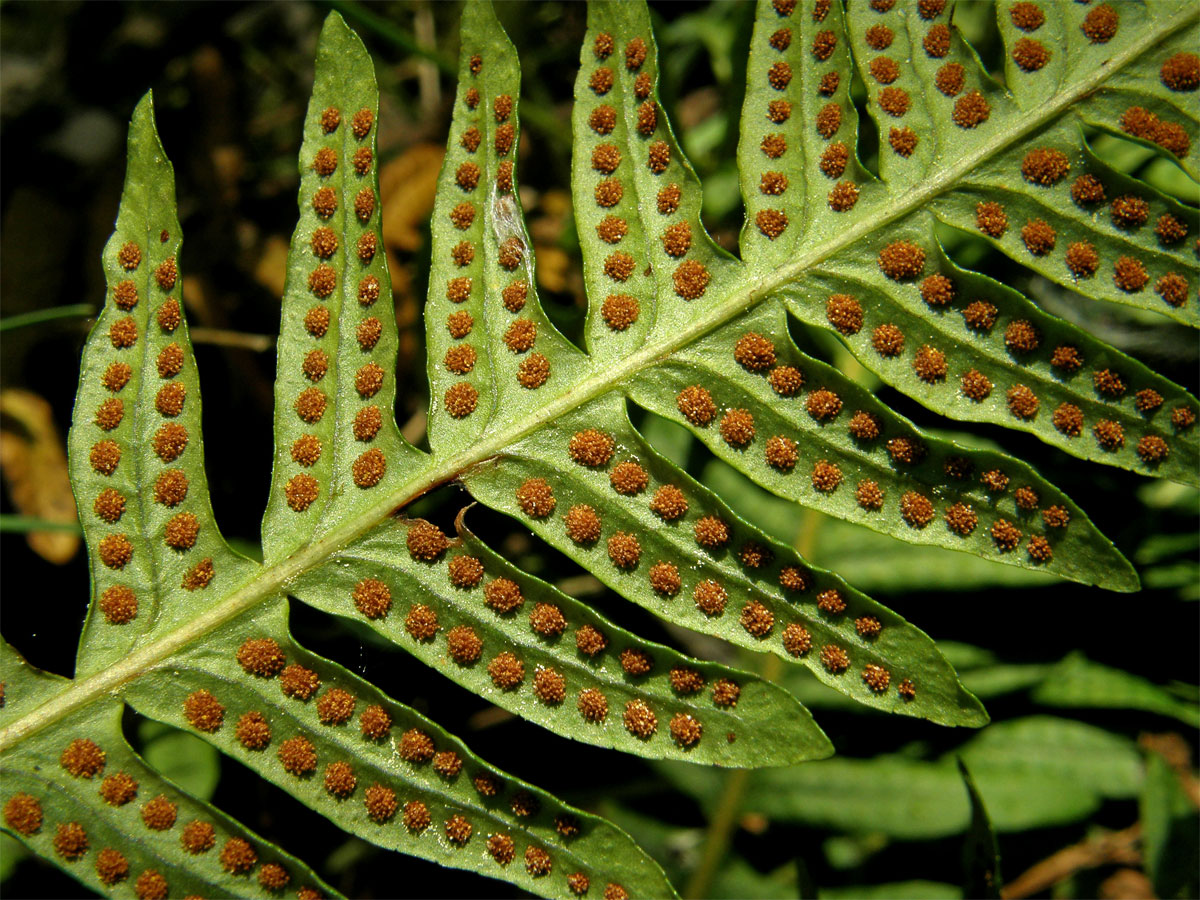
(686, 731)
(980, 315)
(159, 814)
(961, 519)
(421, 622)
(372, 598)
(668, 199)
(23, 814)
(116, 376)
(1087, 190)
(757, 619)
(464, 644)
(894, 101)
(864, 426)
(843, 196)
(82, 758)
(629, 478)
(465, 571)
(884, 69)
(461, 400)
(1005, 535)
(1109, 435)
(105, 456)
(710, 597)
(796, 639)
(129, 256)
(425, 541)
(111, 866)
(533, 371)
(829, 120)
(771, 222)
(547, 620)
(181, 531)
(937, 41)
(117, 789)
(726, 692)
(198, 837)
(590, 641)
(503, 595)
(593, 705)
(316, 321)
(658, 157)
(549, 686)
(620, 311)
(779, 76)
(686, 681)
(664, 579)
(991, 219)
(1082, 259)
(536, 498)
(1045, 166)
(1183, 417)
(1030, 55)
(70, 841)
(1169, 229)
(1173, 288)
(459, 324)
(612, 230)
(1039, 237)
(274, 877)
(901, 260)
(170, 398)
(582, 524)
(834, 159)
(123, 333)
(1148, 400)
(995, 481)
(501, 848)
(823, 404)
(907, 450)
(1022, 336)
(380, 802)
(335, 707)
(823, 44)
(711, 532)
(975, 385)
(603, 119)
(677, 239)
(364, 204)
(697, 405)
(301, 491)
(781, 453)
(1100, 24)
(298, 682)
(203, 711)
(826, 476)
(416, 816)
(971, 110)
(834, 659)
(262, 657)
(253, 731)
(640, 720)
(115, 551)
(831, 602)
(199, 576)
(876, 678)
(1152, 449)
(375, 723)
(507, 672)
(415, 746)
(1129, 211)
(109, 505)
(1129, 274)
(786, 381)
(636, 662)
(779, 111)
(916, 509)
(903, 141)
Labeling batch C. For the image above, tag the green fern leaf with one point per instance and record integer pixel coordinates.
(184, 631)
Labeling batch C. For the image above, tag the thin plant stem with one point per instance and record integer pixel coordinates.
(26, 524)
(359, 13)
(38, 316)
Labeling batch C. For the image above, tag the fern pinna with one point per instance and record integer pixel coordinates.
(183, 630)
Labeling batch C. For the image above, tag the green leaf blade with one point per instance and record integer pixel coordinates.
(544, 634)
(337, 446)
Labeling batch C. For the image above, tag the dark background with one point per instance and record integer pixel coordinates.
(231, 84)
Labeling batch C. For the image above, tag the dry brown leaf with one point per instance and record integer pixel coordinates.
(407, 186)
(271, 271)
(34, 461)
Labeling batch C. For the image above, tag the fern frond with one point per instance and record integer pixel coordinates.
(184, 631)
